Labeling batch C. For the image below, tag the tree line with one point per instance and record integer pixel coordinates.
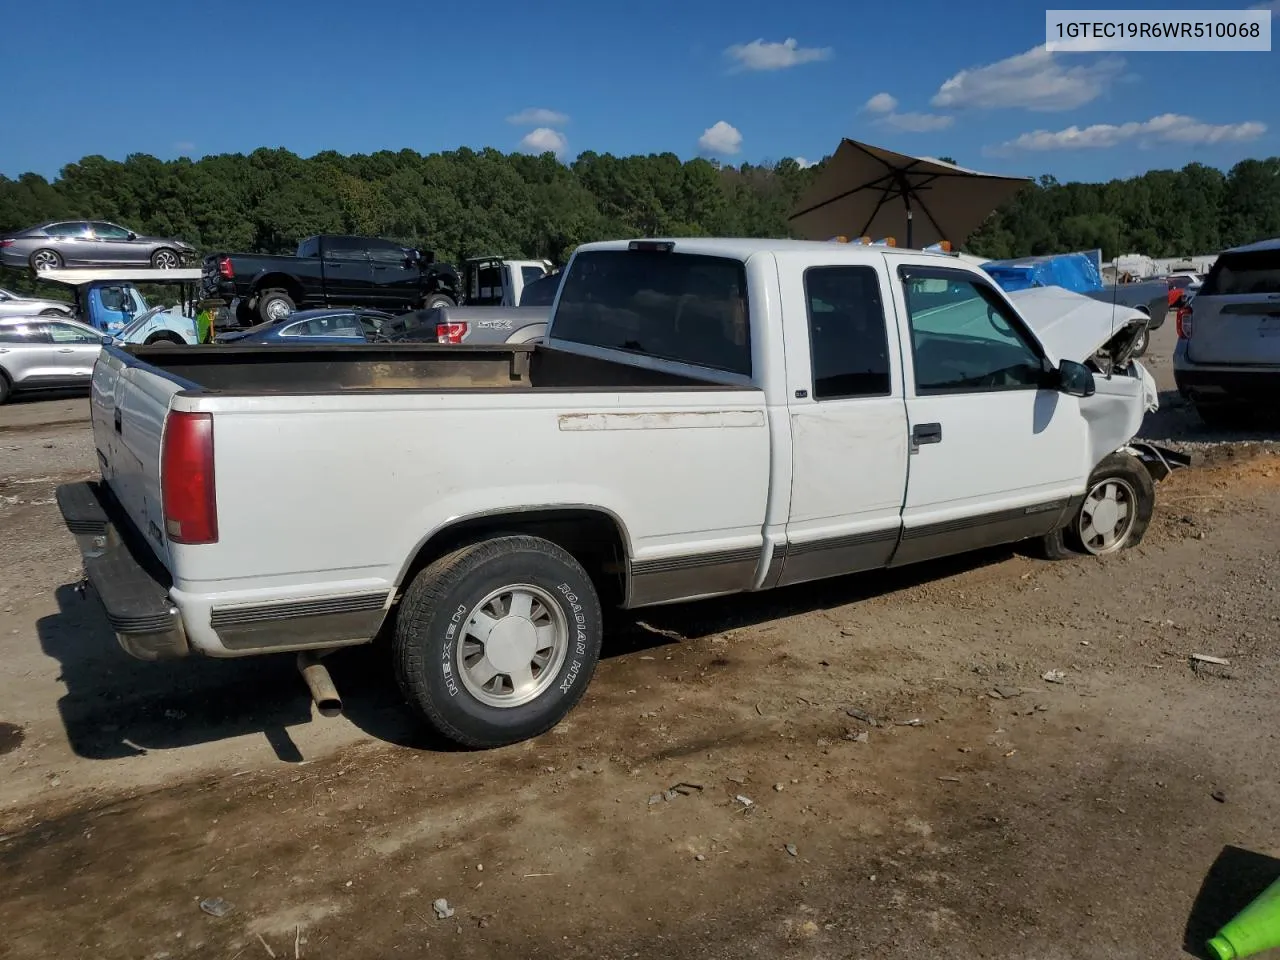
(466, 203)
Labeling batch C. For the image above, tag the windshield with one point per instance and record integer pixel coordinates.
(672, 306)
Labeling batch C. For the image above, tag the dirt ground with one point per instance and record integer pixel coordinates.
(875, 765)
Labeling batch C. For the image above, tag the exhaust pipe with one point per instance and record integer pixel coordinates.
(318, 681)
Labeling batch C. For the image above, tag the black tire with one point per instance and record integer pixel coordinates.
(426, 642)
(267, 300)
(49, 260)
(1143, 342)
(1129, 471)
(165, 337)
(1222, 416)
(166, 258)
(438, 300)
(245, 317)
(4, 387)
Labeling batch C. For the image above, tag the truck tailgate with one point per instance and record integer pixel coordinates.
(129, 408)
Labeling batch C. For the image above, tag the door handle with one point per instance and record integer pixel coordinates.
(926, 433)
(66, 350)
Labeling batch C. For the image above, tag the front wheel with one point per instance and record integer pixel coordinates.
(496, 642)
(166, 259)
(1116, 511)
(1142, 343)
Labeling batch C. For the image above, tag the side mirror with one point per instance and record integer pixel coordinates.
(107, 341)
(132, 235)
(1075, 379)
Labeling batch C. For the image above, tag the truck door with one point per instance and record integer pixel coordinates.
(996, 454)
(348, 274)
(848, 420)
(397, 280)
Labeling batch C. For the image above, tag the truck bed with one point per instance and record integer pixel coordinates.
(339, 368)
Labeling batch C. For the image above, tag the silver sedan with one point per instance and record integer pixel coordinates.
(82, 243)
(43, 353)
(16, 305)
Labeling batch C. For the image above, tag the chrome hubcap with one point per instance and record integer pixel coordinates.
(45, 260)
(277, 310)
(512, 645)
(166, 260)
(1107, 515)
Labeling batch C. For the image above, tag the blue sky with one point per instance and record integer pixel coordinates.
(748, 80)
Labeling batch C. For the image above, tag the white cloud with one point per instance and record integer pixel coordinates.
(544, 140)
(881, 103)
(1166, 128)
(538, 117)
(763, 55)
(1035, 80)
(184, 146)
(720, 138)
(804, 164)
(916, 122)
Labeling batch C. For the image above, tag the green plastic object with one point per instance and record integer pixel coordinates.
(1252, 930)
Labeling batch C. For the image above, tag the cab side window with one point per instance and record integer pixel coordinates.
(848, 340)
(965, 339)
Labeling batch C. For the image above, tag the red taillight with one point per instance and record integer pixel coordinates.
(225, 268)
(6, 243)
(186, 478)
(450, 332)
(1183, 323)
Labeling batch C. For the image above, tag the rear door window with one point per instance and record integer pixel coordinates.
(686, 308)
(1244, 273)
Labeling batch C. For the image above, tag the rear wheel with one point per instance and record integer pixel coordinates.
(1222, 416)
(45, 259)
(438, 300)
(496, 642)
(165, 337)
(274, 305)
(4, 387)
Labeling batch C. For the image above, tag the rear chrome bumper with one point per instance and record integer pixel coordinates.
(131, 584)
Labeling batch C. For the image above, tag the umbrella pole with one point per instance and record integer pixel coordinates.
(906, 199)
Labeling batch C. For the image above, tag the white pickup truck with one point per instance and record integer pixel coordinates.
(705, 417)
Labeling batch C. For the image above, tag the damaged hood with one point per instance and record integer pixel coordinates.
(1072, 326)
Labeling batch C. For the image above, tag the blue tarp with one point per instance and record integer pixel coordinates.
(1078, 272)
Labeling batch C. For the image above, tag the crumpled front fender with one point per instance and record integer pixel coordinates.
(1115, 412)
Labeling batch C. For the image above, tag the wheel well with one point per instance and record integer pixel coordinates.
(166, 335)
(594, 538)
(279, 281)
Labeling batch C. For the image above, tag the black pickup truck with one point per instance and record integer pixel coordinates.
(330, 271)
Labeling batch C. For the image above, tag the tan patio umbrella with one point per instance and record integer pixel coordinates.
(870, 191)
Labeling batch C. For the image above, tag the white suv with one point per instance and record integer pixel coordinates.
(1227, 361)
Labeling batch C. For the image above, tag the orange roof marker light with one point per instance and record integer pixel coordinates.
(942, 246)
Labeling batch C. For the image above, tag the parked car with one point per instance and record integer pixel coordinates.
(541, 292)
(330, 271)
(1227, 360)
(704, 417)
(43, 353)
(88, 243)
(17, 305)
(333, 325)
